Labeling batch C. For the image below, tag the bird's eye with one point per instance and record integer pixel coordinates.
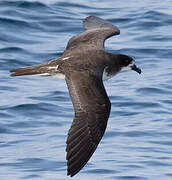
(127, 61)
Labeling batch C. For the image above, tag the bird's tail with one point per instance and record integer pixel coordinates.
(42, 69)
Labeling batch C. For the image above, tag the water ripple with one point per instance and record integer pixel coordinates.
(35, 114)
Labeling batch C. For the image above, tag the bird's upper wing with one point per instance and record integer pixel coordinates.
(97, 31)
(92, 109)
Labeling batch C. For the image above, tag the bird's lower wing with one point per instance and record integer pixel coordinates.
(92, 109)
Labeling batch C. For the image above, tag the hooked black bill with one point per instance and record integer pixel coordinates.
(135, 68)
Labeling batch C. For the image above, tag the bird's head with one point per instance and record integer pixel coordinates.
(127, 63)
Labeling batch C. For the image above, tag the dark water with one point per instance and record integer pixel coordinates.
(36, 112)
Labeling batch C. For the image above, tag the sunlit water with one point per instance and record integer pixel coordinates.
(36, 112)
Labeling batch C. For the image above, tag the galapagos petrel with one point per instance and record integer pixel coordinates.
(84, 65)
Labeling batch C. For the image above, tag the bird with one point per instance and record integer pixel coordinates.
(84, 65)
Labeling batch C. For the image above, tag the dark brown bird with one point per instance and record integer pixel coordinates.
(84, 65)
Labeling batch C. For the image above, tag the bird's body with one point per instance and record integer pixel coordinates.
(84, 65)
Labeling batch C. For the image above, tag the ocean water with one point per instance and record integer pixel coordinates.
(36, 112)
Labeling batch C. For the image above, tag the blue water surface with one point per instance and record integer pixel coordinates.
(36, 112)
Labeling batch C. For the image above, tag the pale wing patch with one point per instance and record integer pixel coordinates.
(43, 74)
(65, 58)
(52, 67)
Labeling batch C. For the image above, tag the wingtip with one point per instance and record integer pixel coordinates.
(12, 75)
(89, 17)
(118, 31)
(71, 174)
(92, 22)
(13, 72)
